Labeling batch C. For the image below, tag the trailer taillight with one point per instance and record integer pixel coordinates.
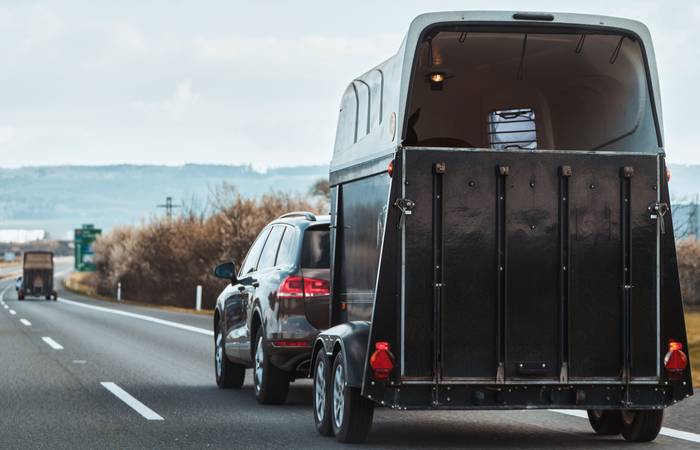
(390, 168)
(381, 361)
(675, 360)
(300, 287)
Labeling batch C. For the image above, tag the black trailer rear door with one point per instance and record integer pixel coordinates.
(529, 266)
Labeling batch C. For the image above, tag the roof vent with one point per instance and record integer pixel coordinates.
(533, 16)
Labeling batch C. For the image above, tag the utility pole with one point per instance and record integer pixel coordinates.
(168, 205)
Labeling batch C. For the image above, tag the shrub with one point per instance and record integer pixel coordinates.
(162, 261)
(688, 251)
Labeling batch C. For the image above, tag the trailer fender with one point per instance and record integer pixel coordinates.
(350, 338)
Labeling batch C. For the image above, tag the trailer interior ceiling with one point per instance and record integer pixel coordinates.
(527, 90)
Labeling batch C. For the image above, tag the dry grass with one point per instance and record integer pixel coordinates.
(163, 261)
(692, 324)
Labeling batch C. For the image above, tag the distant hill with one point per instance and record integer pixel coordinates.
(59, 198)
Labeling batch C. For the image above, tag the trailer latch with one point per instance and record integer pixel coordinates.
(405, 205)
(656, 212)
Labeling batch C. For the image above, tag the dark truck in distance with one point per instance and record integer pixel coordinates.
(500, 228)
(37, 276)
(269, 314)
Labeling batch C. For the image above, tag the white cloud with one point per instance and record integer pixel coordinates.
(174, 107)
(7, 134)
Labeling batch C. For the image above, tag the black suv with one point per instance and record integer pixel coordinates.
(269, 315)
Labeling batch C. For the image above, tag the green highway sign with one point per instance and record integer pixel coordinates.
(84, 238)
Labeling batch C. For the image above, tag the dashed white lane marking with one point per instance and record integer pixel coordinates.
(5, 306)
(127, 398)
(670, 432)
(53, 344)
(13, 312)
(25, 322)
(168, 323)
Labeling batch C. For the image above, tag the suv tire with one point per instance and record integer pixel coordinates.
(229, 375)
(270, 383)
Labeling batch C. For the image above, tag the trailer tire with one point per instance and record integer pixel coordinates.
(605, 422)
(322, 394)
(352, 413)
(271, 384)
(642, 426)
(229, 375)
(20, 295)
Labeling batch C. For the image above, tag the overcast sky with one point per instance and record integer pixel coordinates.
(236, 82)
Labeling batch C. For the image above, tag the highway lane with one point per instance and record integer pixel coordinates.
(55, 398)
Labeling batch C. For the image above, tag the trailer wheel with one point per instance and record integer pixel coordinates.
(229, 375)
(352, 413)
(322, 395)
(270, 383)
(641, 426)
(604, 422)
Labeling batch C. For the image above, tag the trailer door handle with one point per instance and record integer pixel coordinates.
(656, 212)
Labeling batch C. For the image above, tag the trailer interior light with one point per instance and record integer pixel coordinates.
(675, 360)
(436, 80)
(296, 287)
(382, 361)
(390, 168)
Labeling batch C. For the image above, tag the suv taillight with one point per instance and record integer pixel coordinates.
(299, 287)
(675, 360)
(381, 361)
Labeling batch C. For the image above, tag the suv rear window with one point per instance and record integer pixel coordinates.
(315, 253)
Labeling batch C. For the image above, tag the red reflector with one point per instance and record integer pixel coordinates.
(675, 360)
(291, 344)
(390, 168)
(300, 287)
(668, 175)
(381, 361)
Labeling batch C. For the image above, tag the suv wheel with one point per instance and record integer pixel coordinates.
(322, 395)
(352, 413)
(271, 384)
(229, 375)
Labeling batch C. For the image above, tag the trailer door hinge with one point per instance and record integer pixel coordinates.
(656, 212)
(405, 205)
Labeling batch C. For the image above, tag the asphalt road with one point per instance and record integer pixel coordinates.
(66, 397)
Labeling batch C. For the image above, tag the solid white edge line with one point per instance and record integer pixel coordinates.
(670, 432)
(2, 294)
(127, 398)
(25, 322)
(13, 312)
(51, 343)
(168, 323)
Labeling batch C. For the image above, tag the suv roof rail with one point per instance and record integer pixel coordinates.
(305, 214)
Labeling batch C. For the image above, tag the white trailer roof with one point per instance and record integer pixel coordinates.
(382, 139)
